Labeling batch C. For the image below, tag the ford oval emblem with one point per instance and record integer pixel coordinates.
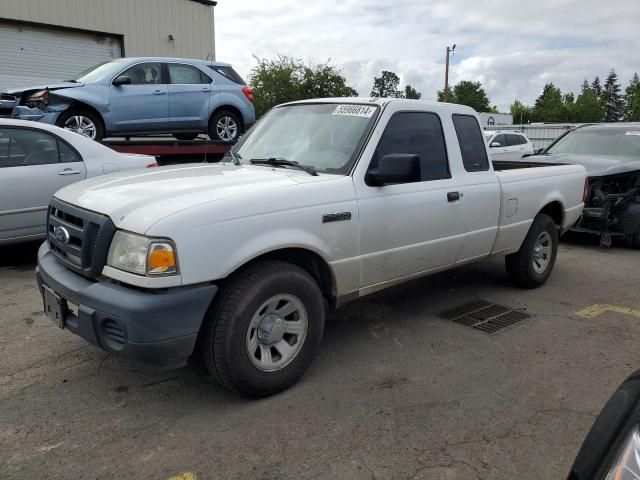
(61, 234)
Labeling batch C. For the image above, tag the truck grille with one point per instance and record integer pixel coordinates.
(79, 238)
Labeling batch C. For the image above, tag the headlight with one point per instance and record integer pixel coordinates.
(39, 99)
(142, 255)
(627, 464)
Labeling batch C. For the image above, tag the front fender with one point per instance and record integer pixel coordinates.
(96, 96)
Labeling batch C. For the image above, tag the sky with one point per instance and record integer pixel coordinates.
(513, 47)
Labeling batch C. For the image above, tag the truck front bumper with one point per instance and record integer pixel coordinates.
(155, 327)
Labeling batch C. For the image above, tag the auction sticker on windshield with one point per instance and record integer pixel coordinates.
(366, 111)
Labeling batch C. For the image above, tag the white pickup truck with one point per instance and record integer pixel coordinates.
(324, 201)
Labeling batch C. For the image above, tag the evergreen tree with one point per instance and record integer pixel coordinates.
(549, 106)
(632, 100)
(596, 87)
(611, 98)
(588, 106)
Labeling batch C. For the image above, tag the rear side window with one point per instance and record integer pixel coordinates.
(472, 146)
(186, 75)
(229, 73)
(513, 140)
(418, 133)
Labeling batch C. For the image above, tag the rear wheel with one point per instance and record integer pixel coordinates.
(224, 126)
(81, 121)
(264, 329)
(530, 266)
(186, 136)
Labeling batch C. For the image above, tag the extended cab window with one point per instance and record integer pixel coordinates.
(22, 148)
(472, 147)
(418, 133)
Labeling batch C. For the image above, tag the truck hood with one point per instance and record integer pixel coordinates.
(50, 86)
(596, 166)
(137, 199)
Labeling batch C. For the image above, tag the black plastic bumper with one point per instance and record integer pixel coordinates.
(159, 328)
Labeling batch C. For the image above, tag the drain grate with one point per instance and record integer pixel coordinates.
(484, 316)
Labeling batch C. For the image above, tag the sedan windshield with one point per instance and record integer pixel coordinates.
(608, 141)
(325, 136)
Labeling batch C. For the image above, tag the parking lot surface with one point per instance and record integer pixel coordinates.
(396, 391)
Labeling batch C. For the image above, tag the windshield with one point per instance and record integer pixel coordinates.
(97, 72)
(325, 136)
(611, 142)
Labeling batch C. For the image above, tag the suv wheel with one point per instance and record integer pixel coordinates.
(224, 126)
(264, 330)
(84, 122)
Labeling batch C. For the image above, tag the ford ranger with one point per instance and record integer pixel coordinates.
(322, 202)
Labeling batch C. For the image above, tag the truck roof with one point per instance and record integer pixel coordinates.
(431, 105)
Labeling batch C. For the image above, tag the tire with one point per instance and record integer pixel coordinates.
(224, 126)
(239, 329)
(186, 136)
(82, 121)
(530, 266)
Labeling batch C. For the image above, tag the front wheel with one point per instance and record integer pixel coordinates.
(530, 266)
(264, 329)
(84, 122)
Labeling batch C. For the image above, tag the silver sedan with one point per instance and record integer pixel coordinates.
(36, 160)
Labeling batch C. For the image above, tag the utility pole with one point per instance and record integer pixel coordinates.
(446, 73)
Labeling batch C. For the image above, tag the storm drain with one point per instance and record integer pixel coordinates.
(484, 316)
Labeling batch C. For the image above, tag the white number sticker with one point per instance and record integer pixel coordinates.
(366, 111)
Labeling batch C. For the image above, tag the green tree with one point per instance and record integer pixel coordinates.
(411, 93)
(612, 99)
(386, 85)
(468, 93)
(549, 106)
(588, 106)
(632, 100)
(450, 99)
(284, 79)
(596, 86)
(520, 112)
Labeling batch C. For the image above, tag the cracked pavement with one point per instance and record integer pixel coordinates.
(395, 392)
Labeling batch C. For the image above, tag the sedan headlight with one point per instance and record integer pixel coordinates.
(142, 255)
(627, 464)
(39, 99)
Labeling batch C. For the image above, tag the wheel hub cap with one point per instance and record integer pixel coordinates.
(270, 329)
(82, 125)
(542, 251)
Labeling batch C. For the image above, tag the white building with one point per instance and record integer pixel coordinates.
(491, 119)
(45, 40)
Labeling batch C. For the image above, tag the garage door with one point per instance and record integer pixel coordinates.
(31, 55)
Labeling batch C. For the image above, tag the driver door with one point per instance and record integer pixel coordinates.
(33, 166)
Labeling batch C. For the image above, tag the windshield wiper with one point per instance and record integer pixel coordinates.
(235, 157)
(71, 81)
(282, 162)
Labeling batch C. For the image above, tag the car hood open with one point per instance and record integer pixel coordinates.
(139, 198)
(596, 166)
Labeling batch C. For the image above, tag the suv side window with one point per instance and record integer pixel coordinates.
(418, 133)
(144, 74)
(514, 140)
(23, 147)
(501, 139)
(182, 74)
(472, 146)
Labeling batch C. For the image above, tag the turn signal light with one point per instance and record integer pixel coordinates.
(152, 165)
(161, 259)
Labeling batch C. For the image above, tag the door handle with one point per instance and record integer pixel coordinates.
(159, 92)
(453, 196)
(206, 89)
(68, 171)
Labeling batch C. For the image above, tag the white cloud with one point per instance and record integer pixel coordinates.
(513, 49)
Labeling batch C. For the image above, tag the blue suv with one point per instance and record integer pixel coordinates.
(137, 96)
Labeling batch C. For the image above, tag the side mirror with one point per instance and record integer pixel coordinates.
(612, 446)
(395, 168)
(495, 144)
(122, 80)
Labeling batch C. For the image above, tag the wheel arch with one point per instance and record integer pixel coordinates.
(233, 109)
(555, 211)
(80, 105)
